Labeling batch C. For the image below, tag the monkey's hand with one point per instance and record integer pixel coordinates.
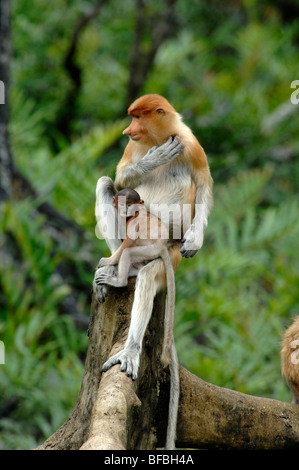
(129, 362)
(167, 152)
(191, 242)
(100, 290)
(132, 175)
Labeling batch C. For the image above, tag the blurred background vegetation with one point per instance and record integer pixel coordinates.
(226, 66)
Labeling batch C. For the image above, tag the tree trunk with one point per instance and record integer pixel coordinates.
(114, 413)
(6, 163)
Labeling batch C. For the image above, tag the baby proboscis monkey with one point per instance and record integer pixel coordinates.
(146, 239)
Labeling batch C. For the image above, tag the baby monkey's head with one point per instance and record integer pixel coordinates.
(127, 202)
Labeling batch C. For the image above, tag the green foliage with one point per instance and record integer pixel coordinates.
(228, 72)
(42, 370)
(235, 297)
(67, 181)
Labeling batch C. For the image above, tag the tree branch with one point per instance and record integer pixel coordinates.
(161, 29)
(70, 59)
(67, 110)
(219, 418)
(13, 185)
(114, 413)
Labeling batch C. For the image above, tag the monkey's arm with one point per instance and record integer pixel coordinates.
(193, 238)
(131, 174)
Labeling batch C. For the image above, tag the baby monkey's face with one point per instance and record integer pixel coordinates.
(126, 207)
(132, 208)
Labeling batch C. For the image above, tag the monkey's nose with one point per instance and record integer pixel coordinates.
(127, 131)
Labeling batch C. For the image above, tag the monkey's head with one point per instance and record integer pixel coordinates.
(127, 202)
(153, 120)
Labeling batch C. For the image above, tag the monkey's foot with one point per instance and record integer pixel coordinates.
(100, 290)
(103, 262)
(129, 362)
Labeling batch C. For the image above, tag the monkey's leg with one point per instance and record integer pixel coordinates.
(129, 256)
(113, 260)
(147, 285)
(108, 225)
(150, 279)
(124, 264)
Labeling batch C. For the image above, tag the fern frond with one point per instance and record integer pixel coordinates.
(237, 223)
(68, 181)
(275, 224)
(241, 192)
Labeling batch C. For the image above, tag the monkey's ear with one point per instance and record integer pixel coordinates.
(160, 111)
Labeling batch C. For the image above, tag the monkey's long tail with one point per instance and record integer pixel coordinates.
(173, 400)
(169, 354)
(170, 308)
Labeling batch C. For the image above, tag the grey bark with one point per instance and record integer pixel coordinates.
(114, 413)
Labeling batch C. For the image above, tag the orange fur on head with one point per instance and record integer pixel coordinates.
(154, 120)
(148, 104)
(151, 108)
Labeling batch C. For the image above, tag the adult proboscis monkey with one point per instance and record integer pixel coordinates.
(167, 166)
